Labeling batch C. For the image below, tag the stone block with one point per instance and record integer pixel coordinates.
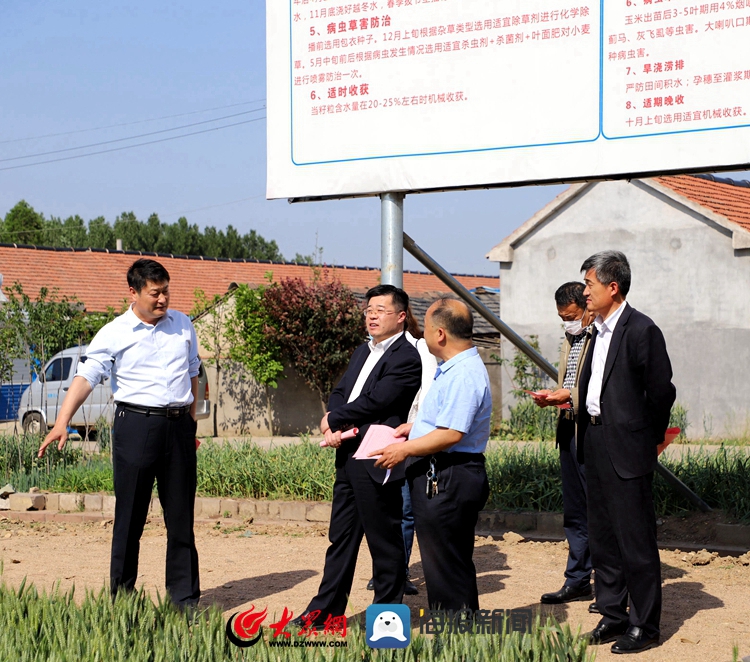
(92, 502)
(4, 504)
(736, 535)
(261, 508)
(65, 517)
(230, 506)
(520, 521)
(71, 503)
(320, 512)
(246, 509)
(21, 501)
(108, 504)
(53, 501)
(210, 507)
(550, 524)
(274, 507)
(488, 521)
(293, 510)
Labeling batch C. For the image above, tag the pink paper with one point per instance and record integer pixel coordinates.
(348, 434)
(377, 438)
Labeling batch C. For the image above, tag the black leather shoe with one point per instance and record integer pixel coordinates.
(371, 585)
(299, 622)
(594, 608)
(634, 641)
(409, 588)
(568, 594)
(604, 633)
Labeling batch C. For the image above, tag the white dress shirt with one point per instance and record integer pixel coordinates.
(429, 366)
(605, 329)
(376, 353)
(151, 364)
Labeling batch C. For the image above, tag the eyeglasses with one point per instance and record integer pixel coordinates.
(378, 312)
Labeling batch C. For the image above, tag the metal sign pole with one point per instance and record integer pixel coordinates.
(527, 349)
(392, 239)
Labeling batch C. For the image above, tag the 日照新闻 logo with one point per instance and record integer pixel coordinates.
(388, 626)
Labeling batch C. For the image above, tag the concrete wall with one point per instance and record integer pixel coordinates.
(686, 276)
(244, 407)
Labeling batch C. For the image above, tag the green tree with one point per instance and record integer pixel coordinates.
(70, 233)
(128, 228)
(101, 234)
(213, 242)
(249, 345)
(256, 247)
(181, 238)
(23, 225)
(36, 329)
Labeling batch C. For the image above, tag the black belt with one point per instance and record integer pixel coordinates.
(444, 460)
(595, 420)
(169, 412)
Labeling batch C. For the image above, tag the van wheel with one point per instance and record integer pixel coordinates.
(32, 424)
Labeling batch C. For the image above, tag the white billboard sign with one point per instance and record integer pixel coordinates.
(399, 95)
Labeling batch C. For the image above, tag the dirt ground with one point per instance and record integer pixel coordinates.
(706, 607)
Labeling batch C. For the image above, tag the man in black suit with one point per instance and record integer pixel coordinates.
(627, 393)
(379, 386)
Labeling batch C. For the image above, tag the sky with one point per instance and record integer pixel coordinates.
(74, 67)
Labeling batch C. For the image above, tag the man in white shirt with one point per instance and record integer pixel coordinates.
(151, 353)
(378, 387)
(628, 394)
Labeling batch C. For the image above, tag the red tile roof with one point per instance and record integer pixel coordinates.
(97, 278)
(720, 196)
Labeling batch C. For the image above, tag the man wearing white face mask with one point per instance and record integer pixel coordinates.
(571, 307)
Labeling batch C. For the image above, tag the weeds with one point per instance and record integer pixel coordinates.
(520, 477)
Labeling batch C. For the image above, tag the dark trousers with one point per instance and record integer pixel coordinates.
(575, 519)
(362, 507)
(407, 523)
(145, 448)
(445, 527)
(622, 537)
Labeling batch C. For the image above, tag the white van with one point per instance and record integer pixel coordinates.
(41, 401)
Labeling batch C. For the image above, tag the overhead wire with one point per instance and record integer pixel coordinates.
(140, 135)
(113, 126)
(221, 204)
(118, 149)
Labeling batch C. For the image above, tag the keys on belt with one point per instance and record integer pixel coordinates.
(595, 420)
(431, 488)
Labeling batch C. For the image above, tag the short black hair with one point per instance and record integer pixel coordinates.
(610, 267)
(571, 292)
(143, 270)
(398, 296)
(459, 325)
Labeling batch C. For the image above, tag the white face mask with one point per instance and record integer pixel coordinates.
(574, 328)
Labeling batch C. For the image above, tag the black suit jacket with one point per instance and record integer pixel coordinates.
(386, 398)
(637, 395)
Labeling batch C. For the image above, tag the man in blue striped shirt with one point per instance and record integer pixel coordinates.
(445, 465)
